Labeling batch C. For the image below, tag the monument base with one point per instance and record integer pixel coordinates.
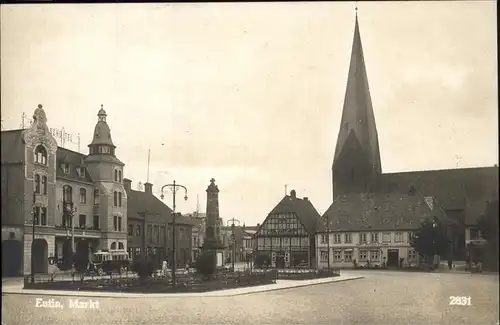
(217, 249)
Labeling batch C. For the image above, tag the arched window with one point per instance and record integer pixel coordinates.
(37, 183)
(121, 246)
(113, 245)
(115, 198)
(116, 175)
(83, 196)
(44, 185)
(119, 199)
(67, 193)
(97, 198)
(119, 176)
(41, 155)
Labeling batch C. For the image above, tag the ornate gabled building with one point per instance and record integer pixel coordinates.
(357, 172)
(287, 234)
(69, 200)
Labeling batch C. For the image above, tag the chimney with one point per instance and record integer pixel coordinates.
(127, 183)
(293, 194)
(306, 198)
(148, 188)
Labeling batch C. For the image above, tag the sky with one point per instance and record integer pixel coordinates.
(251, 94)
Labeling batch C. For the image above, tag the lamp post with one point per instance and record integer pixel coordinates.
(174, 187)
(234, 222)
(70, 210)
(33, 224)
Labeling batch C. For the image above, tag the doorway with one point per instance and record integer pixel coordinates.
(393, 258)
(40, 255)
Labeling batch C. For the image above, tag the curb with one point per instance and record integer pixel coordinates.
(294, 287)
(212, 294)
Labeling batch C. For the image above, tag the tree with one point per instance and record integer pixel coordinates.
(431, 239)
(488, 226)
(261, 259)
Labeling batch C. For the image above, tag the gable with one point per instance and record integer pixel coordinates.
(282, 224)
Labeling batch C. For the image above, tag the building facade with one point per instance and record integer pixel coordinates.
(70, 201)
(198, 233)
(357, 170)
(287, 235)
(379, 234)
(150, 229)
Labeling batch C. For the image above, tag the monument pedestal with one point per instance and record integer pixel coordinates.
(217, 250)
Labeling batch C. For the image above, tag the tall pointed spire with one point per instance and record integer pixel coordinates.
(358, 118)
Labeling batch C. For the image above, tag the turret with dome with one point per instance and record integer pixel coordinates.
(102, 142)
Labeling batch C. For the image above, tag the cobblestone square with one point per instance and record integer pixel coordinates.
(382, 297)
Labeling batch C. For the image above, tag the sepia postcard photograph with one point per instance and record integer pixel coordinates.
(247, 163)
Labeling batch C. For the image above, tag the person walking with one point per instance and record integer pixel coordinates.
(450, 263)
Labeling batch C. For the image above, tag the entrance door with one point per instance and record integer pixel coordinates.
(393, 257)
(12, 252)
(40, 255)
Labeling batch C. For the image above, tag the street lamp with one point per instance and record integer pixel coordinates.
(234, 222)
(69, 211)
(34, 221)
(174, 187)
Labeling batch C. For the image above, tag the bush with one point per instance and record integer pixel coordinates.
(143, 268)
(205, 264)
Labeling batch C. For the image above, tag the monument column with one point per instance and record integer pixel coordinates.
(212, 240)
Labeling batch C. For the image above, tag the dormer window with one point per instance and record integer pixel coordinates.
(81, 172)
(104, 149)
(65, 168)
(41, 155)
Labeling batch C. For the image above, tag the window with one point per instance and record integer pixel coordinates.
(116, 175)
(285, 241)
(363, 256)
(43, 216)
(83, 196)
(169, 233)
(150, 231)
(374, 256)
(115, 198)
(348, 238)
(398, 237)
(130, 230)
(276, 241)
(95, 223)
(348, 256)
(337, 239)
(386, 237)
(97, 198)
(65, 168)
(36, 215)
(119, 176)
(374, 237)
(138, 230)
(115, 223)
(67, 193)
(412, 255)
(113, 245)
(362, 238)
(37, 183)
(44, 185)
(121, 246)
(119, 199)
(82, 220)
(182, 233)
(337, 255)
(410, 236)
(120, 224)
(162, 232)
(324, 256)
(155, 232)
(81, 172)
(41, 155)
(323, 239)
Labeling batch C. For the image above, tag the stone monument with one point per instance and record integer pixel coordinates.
(212, 242)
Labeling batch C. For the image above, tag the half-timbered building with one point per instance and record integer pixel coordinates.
(287, 234)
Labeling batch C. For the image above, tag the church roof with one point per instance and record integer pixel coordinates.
(303, 209)
(379, 212)
(357, 114)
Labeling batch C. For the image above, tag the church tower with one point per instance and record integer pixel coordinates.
(109, 199)
(356, 163)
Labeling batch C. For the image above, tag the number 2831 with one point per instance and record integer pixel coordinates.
(460, 301)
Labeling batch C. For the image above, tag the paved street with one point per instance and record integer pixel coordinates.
(380, 298)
